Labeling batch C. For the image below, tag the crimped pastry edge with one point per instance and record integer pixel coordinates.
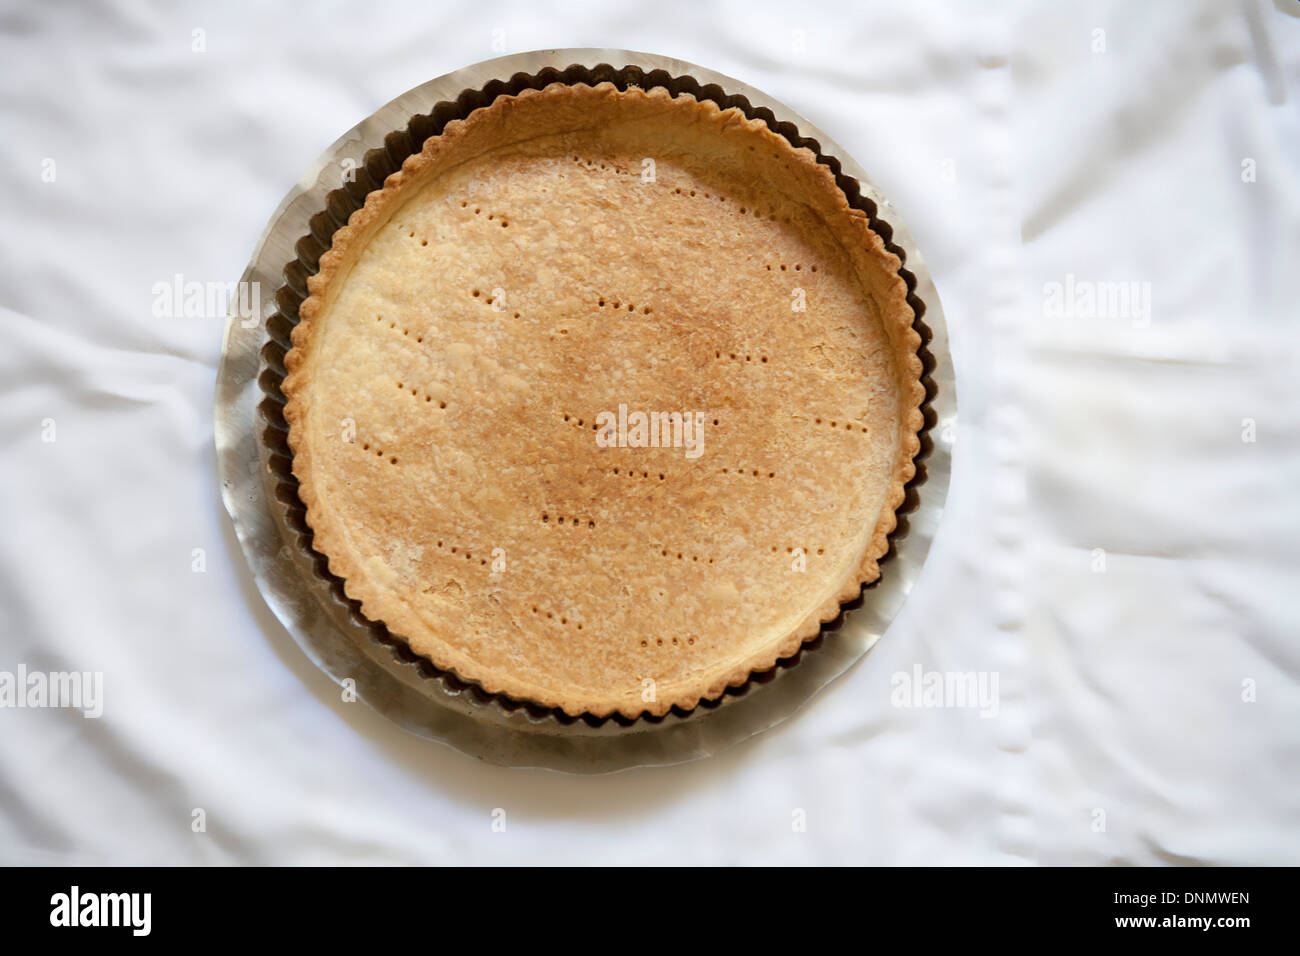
(330, 539)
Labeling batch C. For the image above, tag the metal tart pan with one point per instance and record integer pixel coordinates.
(260, 493)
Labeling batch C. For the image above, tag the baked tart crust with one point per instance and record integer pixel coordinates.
(467, 374)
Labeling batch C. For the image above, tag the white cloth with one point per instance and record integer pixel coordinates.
(1032, 150)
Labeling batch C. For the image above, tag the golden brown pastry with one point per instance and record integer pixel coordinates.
(606, 400)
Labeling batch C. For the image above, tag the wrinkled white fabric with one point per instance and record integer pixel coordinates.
(1114, 548)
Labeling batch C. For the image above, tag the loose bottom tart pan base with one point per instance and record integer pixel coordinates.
(261, 493)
